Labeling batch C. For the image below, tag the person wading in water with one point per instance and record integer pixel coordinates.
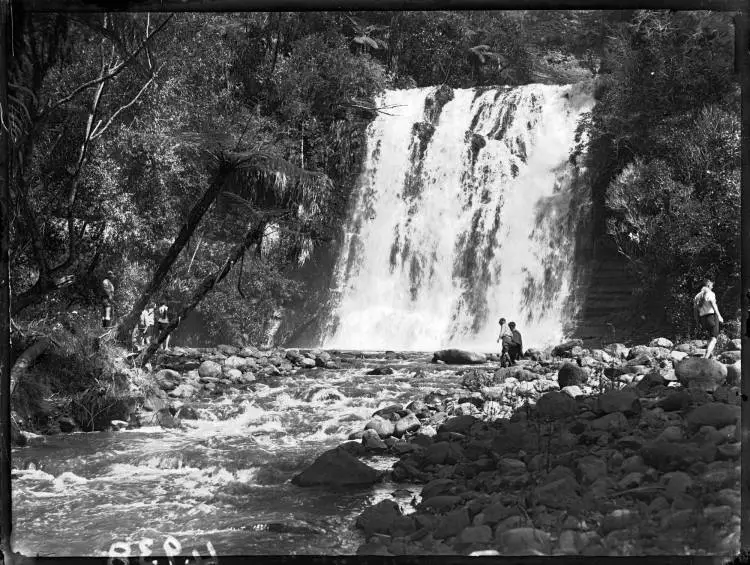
(707, 314)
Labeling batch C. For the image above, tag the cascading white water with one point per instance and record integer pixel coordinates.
(460, 221)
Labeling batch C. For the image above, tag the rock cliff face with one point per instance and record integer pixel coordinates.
(607, 297)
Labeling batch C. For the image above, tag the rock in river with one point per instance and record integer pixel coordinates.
(458, 357)
(336, 467)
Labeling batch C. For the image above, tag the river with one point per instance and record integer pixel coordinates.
(223, 479)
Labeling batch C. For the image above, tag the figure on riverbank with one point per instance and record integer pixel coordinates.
(506, 336)
(108, 294)
(515, 351)
(147, 325)
(161, 324)
(707, 314)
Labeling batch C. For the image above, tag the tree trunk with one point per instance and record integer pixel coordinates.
(253, 235)
(127, 323)
(6, 504)
(25, 360)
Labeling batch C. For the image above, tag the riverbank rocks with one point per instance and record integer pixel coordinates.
(336, 467)
(701, 374)
(458, 357)
(577, 471)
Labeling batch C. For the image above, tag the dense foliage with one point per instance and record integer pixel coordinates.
(118, 119)
(664, 158)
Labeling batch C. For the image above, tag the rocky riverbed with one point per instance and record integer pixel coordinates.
(616, 451)
(612, 451)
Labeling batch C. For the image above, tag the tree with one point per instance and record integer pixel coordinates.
(55, 102)
(266, 188)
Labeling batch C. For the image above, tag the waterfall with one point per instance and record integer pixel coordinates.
(461, 216)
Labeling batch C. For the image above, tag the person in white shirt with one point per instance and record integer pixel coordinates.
(707, 315)
(506, 336)
(147, 324)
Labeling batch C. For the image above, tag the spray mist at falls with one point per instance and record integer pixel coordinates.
(461, 216)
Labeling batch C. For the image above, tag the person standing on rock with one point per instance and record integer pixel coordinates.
(147, 323)
(162, 322)
(506, 336)
(515, 350)
(707, 314)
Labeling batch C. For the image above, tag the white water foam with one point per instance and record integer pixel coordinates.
(440, 245)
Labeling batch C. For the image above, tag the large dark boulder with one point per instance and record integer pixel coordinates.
(571, 374)
(459, 357)
(564, 349)
(336, 467)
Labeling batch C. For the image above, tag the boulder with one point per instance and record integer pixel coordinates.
(66, 424)
(674, 401)
(729, 357)
(167, 379)
(185, 390)
(611, 422)
(444, 452)
(573, 391)
(379, 519)
(387, 411)
(165, 419)
(227, 349)
(380, 371)
(661, 342)
(372, 442)
(154, 403)
(625, 401)
(187, 413)
(701, 374)
(460, 424)
(524, 541)
(564, 349)
(617, 350)
(601, 356)
(475, 534)
(235, 362)
(234, 375)
(668, 456)
(458, 357)
(716, 414)
(209, 369)
(307, 363)
(734, 373)
(556, 405)
(476, 379)
(409, 423)
(383, 427)
(336, 467)
(561, 493)
(571, 374)
(452, 523)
